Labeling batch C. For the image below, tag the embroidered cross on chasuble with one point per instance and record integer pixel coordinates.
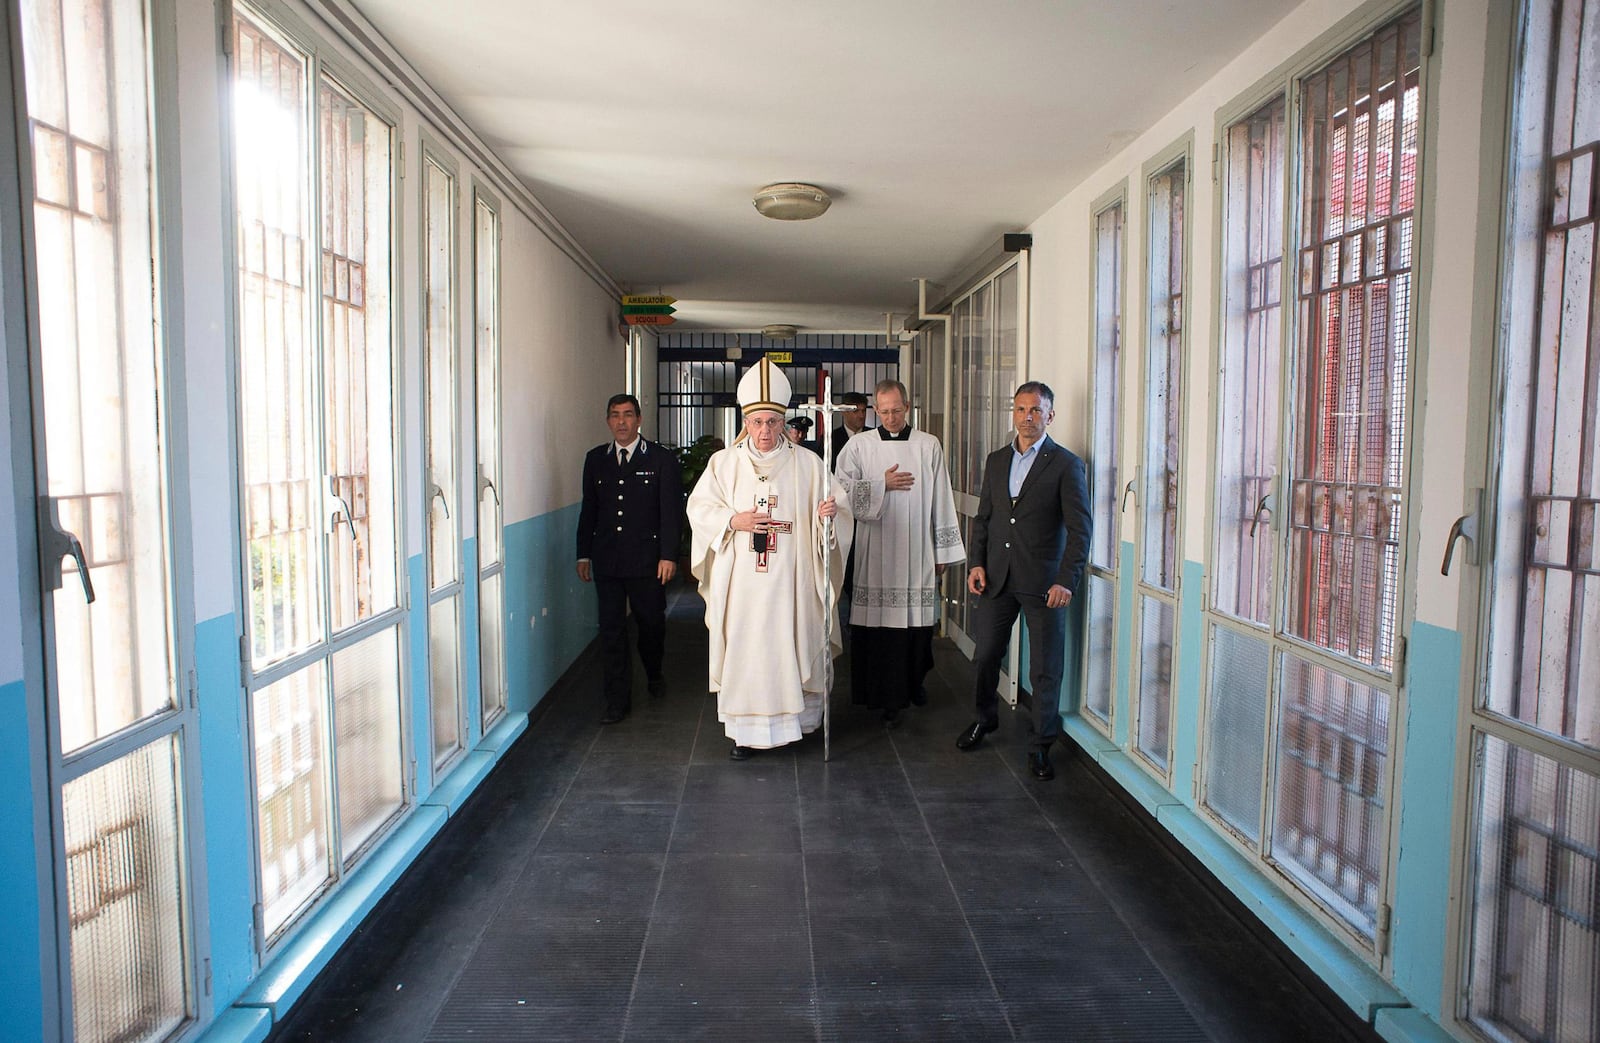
(767, 542)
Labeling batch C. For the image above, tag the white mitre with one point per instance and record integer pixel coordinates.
(764, 387)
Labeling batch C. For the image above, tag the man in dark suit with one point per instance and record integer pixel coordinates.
(1030, 541)
(628, 532)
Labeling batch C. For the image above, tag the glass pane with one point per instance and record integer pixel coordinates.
(1357, 161)
(1159, 481)
(1546, 585)
(366, 729)
(292, 792)
(1236, 728)
(1105, 484)
(1247, 388)
(1157, 619)
(1330, 795)
(280, 455)
(491, 647)
(125, 900)
(1101, 638)
(444, 671)
(357, 353)
(1535, 969)
(1004, 378)
(99, 360)
(439, 202)
(486, 286)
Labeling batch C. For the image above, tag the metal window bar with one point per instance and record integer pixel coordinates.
(1247, 459)
(282, 494)
(1358, 156)
(1164, 368)
(1105, 482)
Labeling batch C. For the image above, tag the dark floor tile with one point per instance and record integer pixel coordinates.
(581, 884)
(467, 1021)
(626, 778)
(608, 827)
(844, 825)
(766, 778)
(731, 829)
(743, 888)
(675, 1019)
(894, 957)
(870, 883)
(716, 960)
(993, 825)
(967, 1016)
(1019, 880)
(883, 781)
(979, 775)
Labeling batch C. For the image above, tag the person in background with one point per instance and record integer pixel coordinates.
(628, 531)
(797, 430)
(1030, 542)
(852, 421)
(906, 532)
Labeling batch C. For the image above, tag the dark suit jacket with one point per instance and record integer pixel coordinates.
(1043, 538)
(632, 517)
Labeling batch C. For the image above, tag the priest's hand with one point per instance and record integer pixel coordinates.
(584, 572)
(1057, 596)
(896, 480)
(976, 580)
(665, 570)
(827, 508)
(750, 521)
(938, 569)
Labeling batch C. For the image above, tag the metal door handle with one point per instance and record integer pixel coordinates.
(1256, 519)
(485, 483)
(1466, 525)
(339, 509)
(57, 543)
(1127, 492)
(436, 493)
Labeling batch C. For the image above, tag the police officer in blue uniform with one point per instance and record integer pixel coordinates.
(628, 531)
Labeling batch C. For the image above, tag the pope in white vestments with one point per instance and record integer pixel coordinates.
(906, 532)
(769, 572)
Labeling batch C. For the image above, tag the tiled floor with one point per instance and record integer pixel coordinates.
(631, 882)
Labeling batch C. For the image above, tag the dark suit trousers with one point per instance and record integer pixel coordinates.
(649, 600)
(1047, 635)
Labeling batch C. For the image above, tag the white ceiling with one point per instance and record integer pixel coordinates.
(936, 125)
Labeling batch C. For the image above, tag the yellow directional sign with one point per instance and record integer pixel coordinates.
(784, 357)
(648, 298)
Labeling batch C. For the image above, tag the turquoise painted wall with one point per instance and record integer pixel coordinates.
(21, 972)
(1420, 928)
(225, 807)
(552, 614)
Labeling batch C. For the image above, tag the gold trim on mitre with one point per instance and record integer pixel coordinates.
(764, 386)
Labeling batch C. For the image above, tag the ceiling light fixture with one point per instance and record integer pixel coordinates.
(778, 331)
(791, 201)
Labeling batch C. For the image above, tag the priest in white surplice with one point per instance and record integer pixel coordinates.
(768, 572)
(905, 534)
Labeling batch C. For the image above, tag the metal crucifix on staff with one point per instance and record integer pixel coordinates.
(823, 406)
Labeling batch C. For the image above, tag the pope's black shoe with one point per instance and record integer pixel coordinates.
(613, 715)
(973, 736)
(741, 753)
(1039, 764)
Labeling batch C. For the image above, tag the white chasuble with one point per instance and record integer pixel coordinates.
(765, 609)
(900, 534)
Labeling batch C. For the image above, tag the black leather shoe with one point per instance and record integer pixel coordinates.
(613, 715)
(891, 718)
(656, 687)
(973, 736)
(919, 697)
(1039, 764)
(741, 753)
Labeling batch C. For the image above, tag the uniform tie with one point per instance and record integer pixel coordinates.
(622, 458)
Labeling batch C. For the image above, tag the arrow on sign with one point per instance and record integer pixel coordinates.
(647, 299)
(649, 320)
(648, 309)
